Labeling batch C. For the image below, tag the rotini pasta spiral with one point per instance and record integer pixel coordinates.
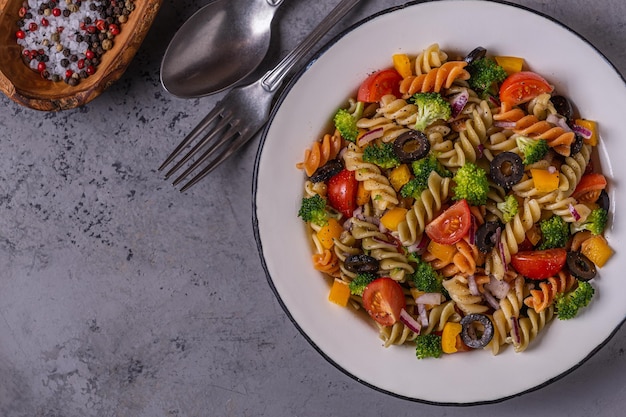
(321, 152)
(429, 58)
(543, 297)
(434, 80)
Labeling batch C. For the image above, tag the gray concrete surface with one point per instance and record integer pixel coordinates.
(120, 296)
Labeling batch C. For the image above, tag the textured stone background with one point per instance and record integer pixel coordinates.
(119, 296)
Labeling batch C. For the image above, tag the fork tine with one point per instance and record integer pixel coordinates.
(226, 136)
(237, 143)
(212, 133)
(200, 127)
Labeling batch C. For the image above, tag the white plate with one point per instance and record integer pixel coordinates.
(343, 337)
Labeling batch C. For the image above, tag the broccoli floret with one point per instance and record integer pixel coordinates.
(422, 168)
(428, 346)
(485, 75)
(533, 149)
(509, 208)
(471, 184)
(345, 122)
(567, 305)
(554, 232)
(381, 155)
(595, 222)
(430, 107)
(313, 209)
(425, 278)
(360, 281)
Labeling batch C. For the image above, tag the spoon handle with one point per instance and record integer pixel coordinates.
(273, 78)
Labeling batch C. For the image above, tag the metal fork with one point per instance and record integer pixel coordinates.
(241, 113)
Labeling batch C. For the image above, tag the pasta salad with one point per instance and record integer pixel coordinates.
(456, 200)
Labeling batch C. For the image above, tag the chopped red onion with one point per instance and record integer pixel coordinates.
(498, 288)
(515, 331)
(503, 256)
(458, 102)
(574, 212)
(421, 309)
(471, 284)
(559, 121)
(370, 136)
(551, 169)
(504, 124)
(432, 298)
(481, 149)
(491, 300)
(419, 247)
(472, 230)
(582, 131)
(410, 322)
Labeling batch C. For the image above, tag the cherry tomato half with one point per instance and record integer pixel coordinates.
(379, 84)
(342, 191)
(590, 183)
(383, 300)
(523, 86)
(451, 225)
(539, 264)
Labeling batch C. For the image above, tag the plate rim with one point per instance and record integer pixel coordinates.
(284, 92)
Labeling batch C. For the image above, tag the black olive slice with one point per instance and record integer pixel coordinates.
(411, 146)
(361, 263)
(580, 266)
(506, 169)
(486, 236)
(577, 145)
(475, 55)
(326, 171)
(469, 332)
(563, 106)
(604, 201)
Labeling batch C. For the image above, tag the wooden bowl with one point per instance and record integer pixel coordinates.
(27, 87)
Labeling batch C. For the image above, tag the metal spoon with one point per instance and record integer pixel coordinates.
(219, 45)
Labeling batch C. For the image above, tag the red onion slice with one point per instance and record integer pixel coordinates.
(491, 300)
(410, 322)
(574, 212)
(498, 288)
(582, 131)
(559, 121)
(504, 124)
(458, 102)
(370, 136)
(515, 331)
(471, 284)
(421, 309)
(432, 298)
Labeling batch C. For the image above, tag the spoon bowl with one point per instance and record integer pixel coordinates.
(219, 45)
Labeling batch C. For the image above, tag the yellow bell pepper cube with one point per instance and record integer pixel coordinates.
(402, 64)
(444, 253)
(593, 127)
(511, 64)
(339, 293)
(332, 230)
(544, 180)
(399, 176)
(597, 249)
(392, 218)
(362, 195)
(448, 336)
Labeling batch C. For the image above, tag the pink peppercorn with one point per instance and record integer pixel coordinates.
(41, 66)
(20, 34)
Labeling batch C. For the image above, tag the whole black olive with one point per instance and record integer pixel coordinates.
(329, 169)
(411, 146)
(563, 106)
(506, 169)
(580, 266)
(486, 236)
(361, 263)
(475, 55)
(604, 201)
(469, 331)
(577, 145)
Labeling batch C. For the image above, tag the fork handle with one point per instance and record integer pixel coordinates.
(274, 77)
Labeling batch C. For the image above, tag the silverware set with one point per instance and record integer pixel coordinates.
(239, 115)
